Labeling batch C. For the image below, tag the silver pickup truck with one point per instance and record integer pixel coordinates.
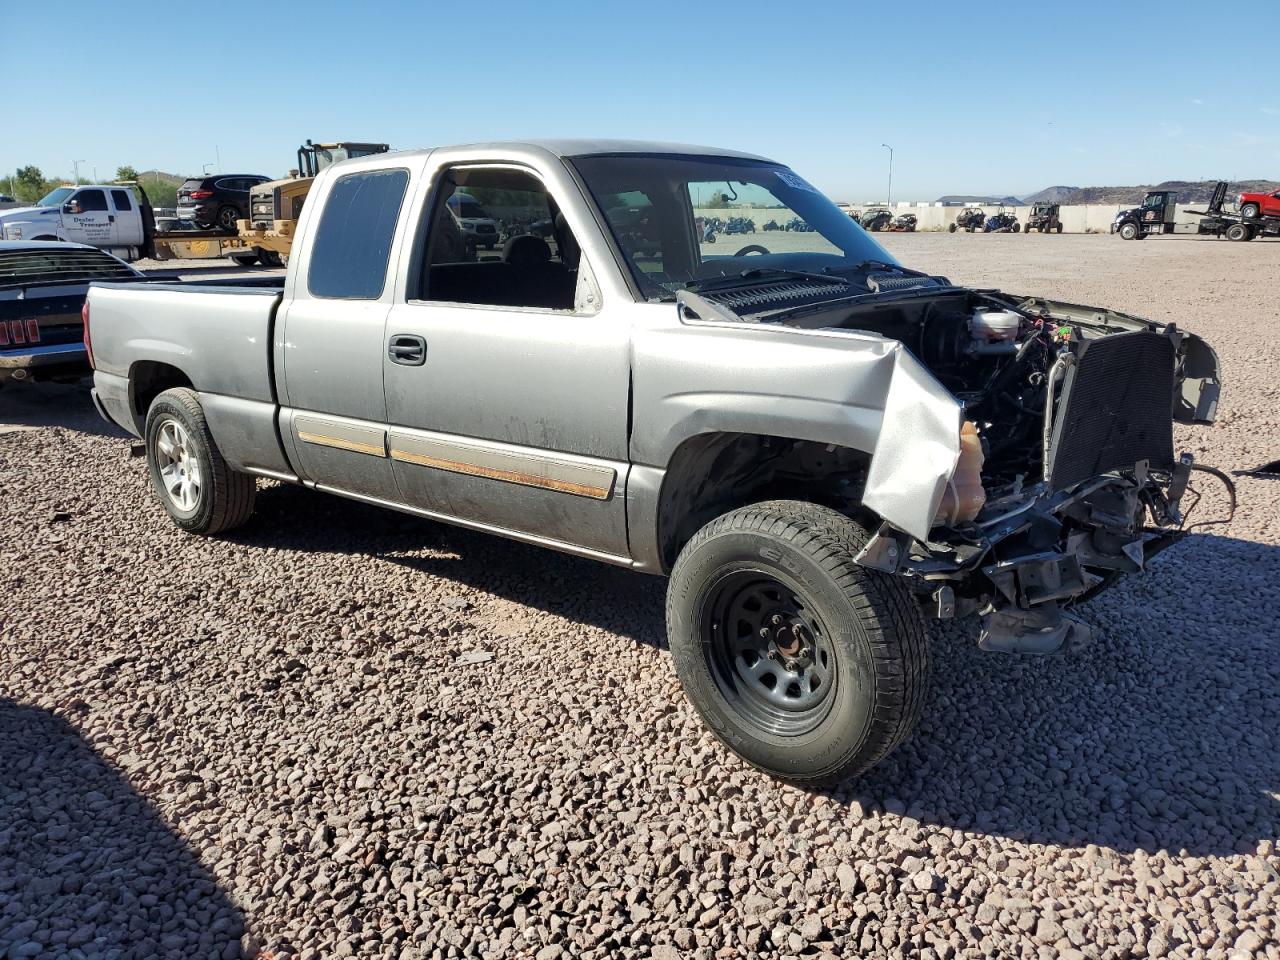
(819, 446)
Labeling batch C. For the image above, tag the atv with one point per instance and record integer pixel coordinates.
(1002, 221)
(969, 220)
(1044, 217)
(903, 223)
(876, 219)
(771, 226)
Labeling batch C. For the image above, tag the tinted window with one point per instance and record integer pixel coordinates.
(91, 200)
(121, 197)
(352, 245)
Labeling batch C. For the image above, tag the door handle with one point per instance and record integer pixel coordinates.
(407, 349)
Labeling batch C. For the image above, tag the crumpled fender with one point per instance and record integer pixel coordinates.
(917, 449)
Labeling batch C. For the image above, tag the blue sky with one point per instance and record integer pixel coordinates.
(974, 97)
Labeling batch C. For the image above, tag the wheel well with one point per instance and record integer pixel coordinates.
(147, 380)
(713, 473)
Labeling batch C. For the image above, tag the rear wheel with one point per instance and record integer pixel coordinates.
(243, 259)
(269, 258)
(806, 664)
(197, 488)
(951, 228)
(227, 217)
(1239, 231)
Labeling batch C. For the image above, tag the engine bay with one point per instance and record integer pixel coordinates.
(994, 354)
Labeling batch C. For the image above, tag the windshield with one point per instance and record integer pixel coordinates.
(55, 198)
(684, 219)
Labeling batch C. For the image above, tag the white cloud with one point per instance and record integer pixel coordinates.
(1197, 101)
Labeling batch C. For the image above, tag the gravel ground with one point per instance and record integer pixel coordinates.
(345, 732)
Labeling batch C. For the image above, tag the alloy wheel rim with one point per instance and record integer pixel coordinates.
(178, 466)
(769, 651)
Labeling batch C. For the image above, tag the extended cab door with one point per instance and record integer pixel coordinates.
(329, 336)
(128, 217)
(87, 217)
(506, 381)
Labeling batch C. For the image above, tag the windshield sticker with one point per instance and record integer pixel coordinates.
(798, 182)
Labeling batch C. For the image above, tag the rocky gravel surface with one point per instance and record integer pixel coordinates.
(345, 732)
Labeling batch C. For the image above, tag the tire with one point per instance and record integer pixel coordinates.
(1129, 231)
(951, 228)
(1250, 211)
(222, 498)
(243, 260)
(1059, 228)
(269, 258)
(854, 637)
(1238, 231)
(227, 217)
(1016, 227)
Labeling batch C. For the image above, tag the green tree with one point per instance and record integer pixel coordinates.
(126, 173)
(29, 183)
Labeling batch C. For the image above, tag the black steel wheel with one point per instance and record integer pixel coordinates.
(768, 650)
(803, 662)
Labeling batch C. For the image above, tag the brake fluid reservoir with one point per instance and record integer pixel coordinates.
(994, 326)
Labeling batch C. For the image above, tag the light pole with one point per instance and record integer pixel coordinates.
(888, 201)
(75, 167)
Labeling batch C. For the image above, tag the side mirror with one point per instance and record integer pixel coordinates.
(71, 206)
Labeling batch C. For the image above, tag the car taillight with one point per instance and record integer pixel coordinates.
(84, 322)
(201, 194)
(16, 331)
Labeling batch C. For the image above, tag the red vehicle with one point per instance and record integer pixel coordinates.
(1253, 205)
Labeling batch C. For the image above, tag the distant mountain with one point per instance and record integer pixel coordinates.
(953, 199)
(1189, 191)
(1050, 195)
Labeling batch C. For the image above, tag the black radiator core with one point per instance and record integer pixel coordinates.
(1116, 408)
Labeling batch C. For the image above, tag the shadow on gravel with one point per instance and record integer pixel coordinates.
(1165, 733)
(67, 405)
(87, 863)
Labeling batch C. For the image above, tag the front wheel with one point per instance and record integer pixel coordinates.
(1249, 211)
(1129, 231)
(804, 663)
(197, 488)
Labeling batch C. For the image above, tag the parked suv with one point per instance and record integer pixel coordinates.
(217, 201)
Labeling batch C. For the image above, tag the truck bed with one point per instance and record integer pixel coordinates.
(217, 334)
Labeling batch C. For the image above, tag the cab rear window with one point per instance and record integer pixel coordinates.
(352, 245)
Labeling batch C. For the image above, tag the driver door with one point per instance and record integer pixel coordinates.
(506, 385)
(87, 217)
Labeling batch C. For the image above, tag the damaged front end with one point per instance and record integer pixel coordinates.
(1103, 496)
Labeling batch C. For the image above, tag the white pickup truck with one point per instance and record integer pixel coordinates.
(112, 217)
